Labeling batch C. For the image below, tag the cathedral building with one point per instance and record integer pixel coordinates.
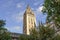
(28, 21)
(28, 24)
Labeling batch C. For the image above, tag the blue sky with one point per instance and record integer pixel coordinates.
(12, 11)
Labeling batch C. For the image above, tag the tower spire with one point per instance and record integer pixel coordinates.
(28, 6)
(28, 10)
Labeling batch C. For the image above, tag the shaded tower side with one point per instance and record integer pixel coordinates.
(24, 24)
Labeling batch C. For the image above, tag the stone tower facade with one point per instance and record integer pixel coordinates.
(28, 21)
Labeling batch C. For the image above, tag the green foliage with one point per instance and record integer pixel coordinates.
(24, 37)
(34, 34)
(46, 33)
(52, 9)
(4, 35)
(41, 33)
(2, 23)
(57, 37)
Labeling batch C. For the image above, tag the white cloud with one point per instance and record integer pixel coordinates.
(40, 8)
(7, 4)
(35, 0)
(36, 3)
(16, 28)
(19, 5)
(19, 17)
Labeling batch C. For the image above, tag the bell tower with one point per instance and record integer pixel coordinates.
(28, 21)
